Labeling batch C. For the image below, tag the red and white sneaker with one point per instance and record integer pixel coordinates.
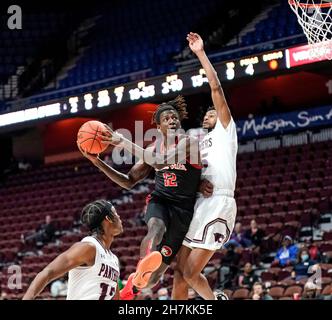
(129, 292)
(145, 268)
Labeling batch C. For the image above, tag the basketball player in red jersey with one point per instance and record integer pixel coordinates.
(170, 208)
(214, 217)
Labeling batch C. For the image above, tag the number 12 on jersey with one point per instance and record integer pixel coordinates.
(170, 179)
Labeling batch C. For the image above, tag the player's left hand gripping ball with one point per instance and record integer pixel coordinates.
(111, 137)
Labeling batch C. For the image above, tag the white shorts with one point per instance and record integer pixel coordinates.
(212, 223)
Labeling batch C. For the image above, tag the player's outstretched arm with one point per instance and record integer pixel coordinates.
(197, 46)
(187, 147)
(127, 181)
(79, 254)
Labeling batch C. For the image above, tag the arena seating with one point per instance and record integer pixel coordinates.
(130, 40)
(21, 48)
(145, 48)
(20, 45)
(143, 41)
(153, 48)
(123, 42)
(280, 23)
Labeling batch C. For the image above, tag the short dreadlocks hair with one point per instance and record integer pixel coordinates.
(94, 213)
(178, 104)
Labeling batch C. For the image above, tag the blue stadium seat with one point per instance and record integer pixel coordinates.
(129, 40)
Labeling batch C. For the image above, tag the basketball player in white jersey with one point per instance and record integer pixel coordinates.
(93, 268)
(214, 217)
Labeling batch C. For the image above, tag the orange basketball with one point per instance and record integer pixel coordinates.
(88, 139)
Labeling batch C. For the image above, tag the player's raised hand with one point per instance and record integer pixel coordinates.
(92, 157)
(195, 42)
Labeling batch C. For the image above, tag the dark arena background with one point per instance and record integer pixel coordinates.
(114, 61)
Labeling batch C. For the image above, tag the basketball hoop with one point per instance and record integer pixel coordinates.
(315, 18)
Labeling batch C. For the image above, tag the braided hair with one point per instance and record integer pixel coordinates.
(94, 213)
(178, 104)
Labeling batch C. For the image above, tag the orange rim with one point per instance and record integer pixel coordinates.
(310, 5)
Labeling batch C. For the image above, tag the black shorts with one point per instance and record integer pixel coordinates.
(177, 221)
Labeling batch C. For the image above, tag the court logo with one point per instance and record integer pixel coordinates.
(166, 251)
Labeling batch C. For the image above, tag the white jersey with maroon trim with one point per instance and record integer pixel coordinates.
(218, 153)
(214, 217)
(97, 282)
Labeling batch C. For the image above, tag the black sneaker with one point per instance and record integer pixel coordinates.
(220, 295)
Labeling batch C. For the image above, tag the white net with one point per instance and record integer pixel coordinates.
(315, 18)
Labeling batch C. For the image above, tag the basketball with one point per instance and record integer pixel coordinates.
(88, 139)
